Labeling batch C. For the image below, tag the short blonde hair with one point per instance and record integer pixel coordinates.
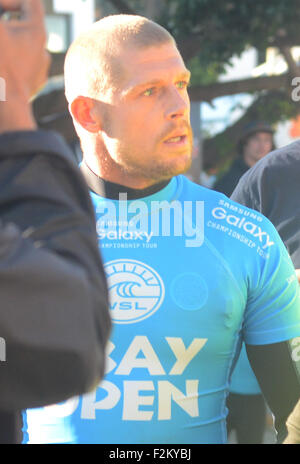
(92, 63)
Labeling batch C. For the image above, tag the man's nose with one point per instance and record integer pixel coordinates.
(178, 104)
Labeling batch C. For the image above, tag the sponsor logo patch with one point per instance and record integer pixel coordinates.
(136, 290)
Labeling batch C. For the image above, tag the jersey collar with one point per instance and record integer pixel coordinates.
(112, 191)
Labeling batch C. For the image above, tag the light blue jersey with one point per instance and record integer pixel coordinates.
(191, 274)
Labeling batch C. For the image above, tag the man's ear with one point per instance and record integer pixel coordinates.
(83, 112)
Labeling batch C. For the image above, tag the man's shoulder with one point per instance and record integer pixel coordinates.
(190, 190)
(216, 200)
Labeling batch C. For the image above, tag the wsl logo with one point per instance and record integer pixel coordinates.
(136, 291)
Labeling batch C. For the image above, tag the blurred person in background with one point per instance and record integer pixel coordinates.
(255, 142)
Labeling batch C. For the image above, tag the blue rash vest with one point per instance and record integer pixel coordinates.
(191, 274)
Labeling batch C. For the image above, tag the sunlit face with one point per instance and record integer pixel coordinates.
(147, 129)
(257, 146)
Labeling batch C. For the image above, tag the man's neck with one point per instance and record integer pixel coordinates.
(104, 167)
(112, 190)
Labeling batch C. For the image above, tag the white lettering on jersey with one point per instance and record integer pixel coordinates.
(183, 355)
(168, 392)
(89, 403)
(132, 400)
(135, 394)
(242, 223)
(110, 363)
(131, 360)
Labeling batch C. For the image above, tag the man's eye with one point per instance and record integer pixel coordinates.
(149, 92)
(182, 84)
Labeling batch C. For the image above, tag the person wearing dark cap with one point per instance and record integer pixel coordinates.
(255, 142)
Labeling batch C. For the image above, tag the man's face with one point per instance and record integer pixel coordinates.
(146, 130)
(257, 146)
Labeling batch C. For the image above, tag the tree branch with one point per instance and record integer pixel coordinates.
(292, 65)
(207, 93)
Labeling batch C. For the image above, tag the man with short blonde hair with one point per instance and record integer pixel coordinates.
(99, 86)
(95, 54)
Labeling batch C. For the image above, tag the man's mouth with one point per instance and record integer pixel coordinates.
(178, 139)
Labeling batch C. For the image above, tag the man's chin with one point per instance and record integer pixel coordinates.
(166, 172)
(157, 172)
(183, 166)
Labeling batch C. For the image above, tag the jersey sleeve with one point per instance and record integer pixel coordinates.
(273, 307)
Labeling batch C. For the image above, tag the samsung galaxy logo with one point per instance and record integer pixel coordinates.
(125, 235)
(245, 225)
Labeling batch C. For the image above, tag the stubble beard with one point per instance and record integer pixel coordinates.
(157, 168)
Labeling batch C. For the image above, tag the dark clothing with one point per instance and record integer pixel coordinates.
(247, 416)
(112, 190)
(54, 304)
(227, 183)
(272, 187)
(281, 400)
(10, 427)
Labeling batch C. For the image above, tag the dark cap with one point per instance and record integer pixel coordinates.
(251, 128)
